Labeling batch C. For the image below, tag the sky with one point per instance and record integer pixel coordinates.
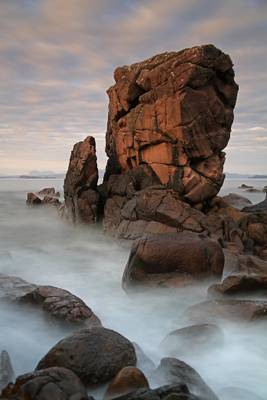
(57, 59)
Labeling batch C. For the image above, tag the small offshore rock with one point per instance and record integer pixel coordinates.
(33, 200)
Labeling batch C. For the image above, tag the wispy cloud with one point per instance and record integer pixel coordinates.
(58, 57)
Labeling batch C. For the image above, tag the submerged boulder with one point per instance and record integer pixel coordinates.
(192, 339)
(57, 303)
(172, 260)
(211, 311)
(173, 371)
(47, 384)
(240, 284)
(96, 355)
(7, 374)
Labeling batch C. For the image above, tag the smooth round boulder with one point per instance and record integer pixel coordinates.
(172, 260)
(47, 384)
(96, 355)
(192, 339)
(128, 380)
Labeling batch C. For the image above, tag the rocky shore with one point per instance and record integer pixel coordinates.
(169, 121)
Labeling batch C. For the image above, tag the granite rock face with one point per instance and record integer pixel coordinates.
(174, 112)
(81, 198)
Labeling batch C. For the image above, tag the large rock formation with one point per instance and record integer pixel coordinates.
(174, 112)
(169, 120)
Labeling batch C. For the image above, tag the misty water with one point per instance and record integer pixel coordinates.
(40, 248)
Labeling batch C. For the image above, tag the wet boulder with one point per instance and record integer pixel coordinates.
(33, 199)
(241, 284)
(59, 304)
(96, 355)
(47, 384)
(174, 371)
(128, 380)
(166, 392)
(192, 339)
(172, 260)
(212, 311)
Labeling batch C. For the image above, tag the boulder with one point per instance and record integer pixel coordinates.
(237, 201)
(51, 191)
(240, 284)
(172, 260)
(7, 374)
(81, 197)
(51, 200)
(212, 311)
(33, 200)
(96, 355)
(260, 207)
(57, 303)
(47, 384)
(173, 371)
(128, 380)
(166, 392)
(192, 339)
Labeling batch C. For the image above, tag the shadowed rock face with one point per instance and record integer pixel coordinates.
(81, 198)
(47, 384)
(174, 112)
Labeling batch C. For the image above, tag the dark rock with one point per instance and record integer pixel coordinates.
(234, 310)
(172, 260)
(239, 284)
(237, 201)
(96, 355)
(260, 207)
(192, 339)
(47, 384)
(57, 303)
(128, 380)
(7, 374)
(173, 371)
(48, 192)
(166, 392)
(33, 200)
(50, 200)
(81, 198)
(244, 186)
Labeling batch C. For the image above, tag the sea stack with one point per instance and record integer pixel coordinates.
(169, 120)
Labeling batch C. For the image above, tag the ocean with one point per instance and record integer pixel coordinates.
(36, 245)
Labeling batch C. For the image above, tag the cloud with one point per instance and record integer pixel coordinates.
(58, 57)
